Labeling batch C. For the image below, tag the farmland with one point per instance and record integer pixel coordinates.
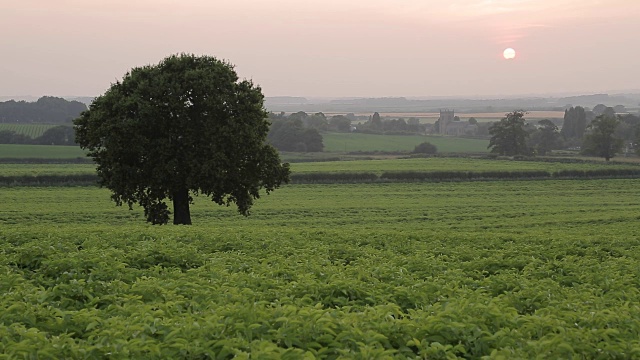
(374, 166)
(513, 269)
(31, 130)
(352, 142)
(40, 151)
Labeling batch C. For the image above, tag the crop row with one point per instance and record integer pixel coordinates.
(503, 269)
(31, 130)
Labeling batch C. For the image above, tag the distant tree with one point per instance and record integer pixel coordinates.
(300, 115)
(290, 135)
(473, 121)
(46, 110)
(619, 109)
(545, 138)
(575, 123)
(57, 135)
(599, 109)
(340, 123)
(456, 118)
(508, 136)
(376, 122)
(318, 121)
(184, 126)
(609, 112)
(12, 137)
(425, 148)
(600, 141)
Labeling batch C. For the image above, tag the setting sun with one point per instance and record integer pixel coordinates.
(509, 53)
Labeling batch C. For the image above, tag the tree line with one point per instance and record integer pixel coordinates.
(57, 135)
(600, 132)
(46, 110)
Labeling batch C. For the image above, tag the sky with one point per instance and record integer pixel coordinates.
(329, 48)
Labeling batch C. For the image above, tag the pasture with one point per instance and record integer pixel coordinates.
(376, 166)
(517, 269)
(356, 142)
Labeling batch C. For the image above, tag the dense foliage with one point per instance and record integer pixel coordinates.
(183, 127)
(425, 148)
(47, 110)
(509, 136)
(498, 270)
(575, 122)
(601, 141)
(290, 135)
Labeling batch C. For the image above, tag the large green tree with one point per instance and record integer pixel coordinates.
(183, 127)
(509, 136)
(545, 138)
(600, 141)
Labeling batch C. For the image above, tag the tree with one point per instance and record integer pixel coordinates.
(599, 109)
(508, 136)
(290, 135)
(575, 123)
(425, 148)
(376, 122)
(473, 121)
(545, 138)
(47, 109)
(183, 127)
(57, 135)
(601, 141)
(340, 123)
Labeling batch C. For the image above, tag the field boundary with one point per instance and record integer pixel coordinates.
(365, 177)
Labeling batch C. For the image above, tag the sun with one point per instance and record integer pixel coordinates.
(509, 53)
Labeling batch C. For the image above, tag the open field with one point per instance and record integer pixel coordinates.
(334, 143)
(499, 269)
(40, 151)
(31, 130)
(351, 142)
(350, 166)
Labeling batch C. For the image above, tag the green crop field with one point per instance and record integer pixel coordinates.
(351, 142)
(449, 164)
(40, 151)
(31, 130)
(374, 166)
(504, 270)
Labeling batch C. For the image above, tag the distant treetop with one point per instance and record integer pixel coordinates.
(46, 110)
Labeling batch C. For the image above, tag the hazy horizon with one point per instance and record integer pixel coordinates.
(330, 49)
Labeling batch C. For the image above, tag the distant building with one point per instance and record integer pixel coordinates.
(446, 117)
(448, 125)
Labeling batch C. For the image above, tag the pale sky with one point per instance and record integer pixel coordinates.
(329, 48)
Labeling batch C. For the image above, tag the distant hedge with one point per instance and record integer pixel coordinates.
(333, 177)
(49, 180)
(362, 177)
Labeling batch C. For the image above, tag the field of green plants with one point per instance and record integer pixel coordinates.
(31, 130)
(353, 142)
(40, 151)
(435, 164)
(504, 270)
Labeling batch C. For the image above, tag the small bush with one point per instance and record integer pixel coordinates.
(425, 148)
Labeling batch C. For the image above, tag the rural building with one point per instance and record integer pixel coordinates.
(448, 125)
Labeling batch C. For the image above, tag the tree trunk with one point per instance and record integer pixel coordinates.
(181, 212)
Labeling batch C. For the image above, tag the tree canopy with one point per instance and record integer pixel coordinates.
(545, 138)
(601, 140)
(47, 110)
(183, 127)
(509, 136)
